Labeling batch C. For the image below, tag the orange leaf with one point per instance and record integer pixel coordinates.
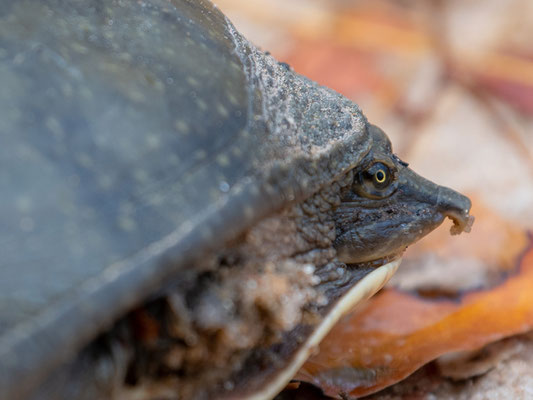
(507, 76)
(342, 68)
(397, 332)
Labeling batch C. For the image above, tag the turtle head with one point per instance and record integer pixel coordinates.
(388, 206)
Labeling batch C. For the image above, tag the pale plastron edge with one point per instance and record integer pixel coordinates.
(363, 290)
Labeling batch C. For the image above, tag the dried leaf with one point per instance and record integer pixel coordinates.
(397, 332)
(507, 76)
(344, 69)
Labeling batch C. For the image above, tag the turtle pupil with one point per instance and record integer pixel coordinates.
(374, 181)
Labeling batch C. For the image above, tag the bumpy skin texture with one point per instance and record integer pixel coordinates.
(126, 153)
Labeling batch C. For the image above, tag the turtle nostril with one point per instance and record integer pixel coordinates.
(457, 207)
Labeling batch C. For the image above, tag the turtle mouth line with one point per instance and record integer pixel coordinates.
(379, 261)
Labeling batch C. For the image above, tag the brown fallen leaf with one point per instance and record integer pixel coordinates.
(507, 76)
(398, 332)
(363, 52)
(480, 260)
(349, 71)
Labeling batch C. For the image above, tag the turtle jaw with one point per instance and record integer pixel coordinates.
(441, 199)
(377, 235)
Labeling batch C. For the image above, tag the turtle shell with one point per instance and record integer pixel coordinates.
(134, 137)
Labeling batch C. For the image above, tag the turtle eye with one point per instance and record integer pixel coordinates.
(379, 174)
(376, 181)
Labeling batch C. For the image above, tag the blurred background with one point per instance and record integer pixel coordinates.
(451, 82)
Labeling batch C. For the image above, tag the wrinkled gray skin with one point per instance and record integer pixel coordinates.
(139, 140)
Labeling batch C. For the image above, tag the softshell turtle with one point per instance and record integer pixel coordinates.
(181, 216)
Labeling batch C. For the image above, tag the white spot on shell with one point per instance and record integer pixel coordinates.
(156, 199)
(26, 224)
(236, 151)
(191, 81)
(110, 274)
(85, 160)
(222, 111)
(224, 187)
(125, 57)
(135, 95)
(248, 212)
(140, 175)
(55, 127)
(232, 99)
(125, 207)
(153, 141)
(105, 181)
(173, 159)
(19, 59)
(200, 154)
(78, 48)
(201, 104)
(169, 51)
(66, 89)
(24, 204)
(269, 189)
(86, 93)
(127, 224)
(181, 126)
(223, 160)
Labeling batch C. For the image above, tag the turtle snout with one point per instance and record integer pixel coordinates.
(457, 207)
(443, 200)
